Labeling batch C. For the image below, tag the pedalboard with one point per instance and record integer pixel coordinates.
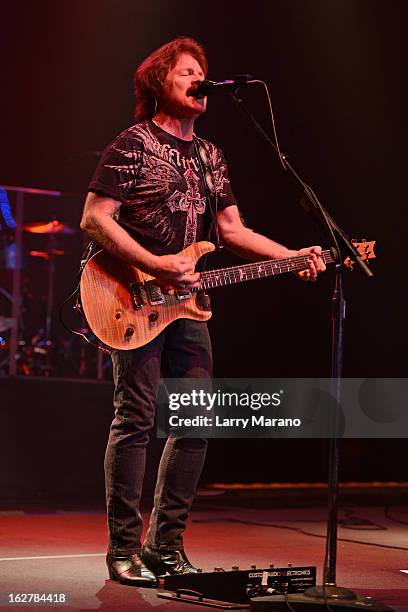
(236, 586)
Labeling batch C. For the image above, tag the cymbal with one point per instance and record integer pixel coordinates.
(47, 254)
(48, 227)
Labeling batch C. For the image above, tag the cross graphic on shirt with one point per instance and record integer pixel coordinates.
(192, 202)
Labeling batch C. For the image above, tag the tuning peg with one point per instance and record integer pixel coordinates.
(235, 568)
(253, 567)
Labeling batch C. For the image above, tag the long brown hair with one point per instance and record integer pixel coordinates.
(150, 76)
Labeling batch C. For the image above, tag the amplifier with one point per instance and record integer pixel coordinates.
(237, 586)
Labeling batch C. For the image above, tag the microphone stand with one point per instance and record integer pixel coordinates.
(329, 590)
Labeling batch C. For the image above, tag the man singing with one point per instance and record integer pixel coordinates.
(147, 201)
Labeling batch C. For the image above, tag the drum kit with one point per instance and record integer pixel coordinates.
(36, 353)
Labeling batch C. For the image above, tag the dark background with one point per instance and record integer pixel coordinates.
(337, 76)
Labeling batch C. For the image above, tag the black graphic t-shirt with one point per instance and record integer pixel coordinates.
(157, 179)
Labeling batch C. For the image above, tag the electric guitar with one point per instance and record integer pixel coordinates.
(126, 308)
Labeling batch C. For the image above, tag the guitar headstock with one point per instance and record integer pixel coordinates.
(365, 250)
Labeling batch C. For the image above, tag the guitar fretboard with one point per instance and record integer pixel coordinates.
(252, 271)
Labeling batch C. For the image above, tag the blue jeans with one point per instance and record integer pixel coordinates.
(183, 349)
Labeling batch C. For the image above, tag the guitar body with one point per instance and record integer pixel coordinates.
(126, 309)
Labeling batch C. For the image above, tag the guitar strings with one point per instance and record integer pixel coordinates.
(265, 268)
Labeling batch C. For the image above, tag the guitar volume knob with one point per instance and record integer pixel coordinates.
(153, 316)
(129, 332)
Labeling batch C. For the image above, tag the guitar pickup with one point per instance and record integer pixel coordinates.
(154, 293)
(183, 294)
(136, 295)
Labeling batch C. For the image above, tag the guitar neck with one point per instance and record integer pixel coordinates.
(261, 269)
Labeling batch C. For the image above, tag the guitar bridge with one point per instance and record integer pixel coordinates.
(154, 293)
(136, 295)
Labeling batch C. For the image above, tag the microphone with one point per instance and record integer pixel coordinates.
(204, 87)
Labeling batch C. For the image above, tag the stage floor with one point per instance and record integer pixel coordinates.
(60, 551)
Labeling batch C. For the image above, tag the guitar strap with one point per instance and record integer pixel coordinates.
(208, 180)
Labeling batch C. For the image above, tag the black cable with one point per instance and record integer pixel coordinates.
(392, 518)
(74, 294)
(298, 530)
(289, 605)
(351, 521)
(89, 251)
(283, 159)
(292, 609)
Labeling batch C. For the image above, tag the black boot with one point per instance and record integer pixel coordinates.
(130, 570)
(161, 562)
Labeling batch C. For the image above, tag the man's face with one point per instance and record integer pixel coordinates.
(180, 80)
